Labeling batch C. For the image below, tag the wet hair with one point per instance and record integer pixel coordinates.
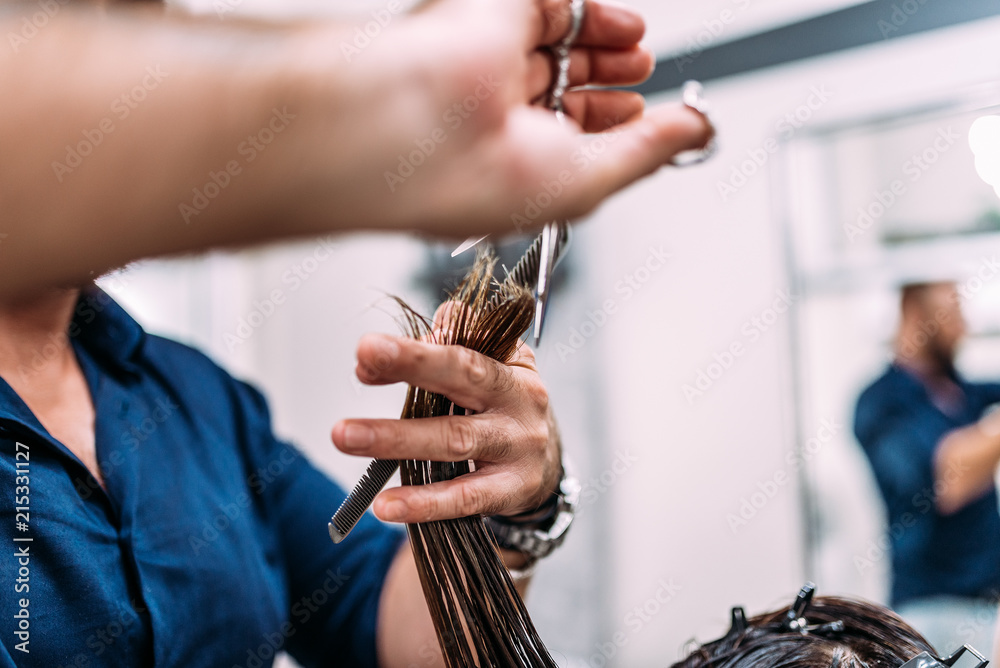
(872, 636)
(478, 615)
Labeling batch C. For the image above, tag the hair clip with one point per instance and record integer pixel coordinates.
(739, 622)
(795, 618)
(928, 660)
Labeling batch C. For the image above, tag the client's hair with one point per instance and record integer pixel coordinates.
(839, 633)
(478, 614)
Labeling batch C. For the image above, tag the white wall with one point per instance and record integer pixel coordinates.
(700, 461)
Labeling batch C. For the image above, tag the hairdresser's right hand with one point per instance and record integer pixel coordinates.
(446, 131)
(227, 133)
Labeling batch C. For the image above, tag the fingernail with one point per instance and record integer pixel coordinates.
(394, 510)
(358, 437)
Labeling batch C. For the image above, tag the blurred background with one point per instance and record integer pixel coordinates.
(713, 325)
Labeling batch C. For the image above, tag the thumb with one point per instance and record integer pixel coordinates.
(642, 146)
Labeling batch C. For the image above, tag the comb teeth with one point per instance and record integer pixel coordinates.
(357, 502)
(524, 273)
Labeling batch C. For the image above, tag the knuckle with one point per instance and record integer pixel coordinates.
(536, 395)
(538, 439)
(420, 354)
(392, 434)
(475, 365)
(472, 499)
(461, 440)
(424, 506)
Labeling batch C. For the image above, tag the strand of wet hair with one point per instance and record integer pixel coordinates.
(478, 614)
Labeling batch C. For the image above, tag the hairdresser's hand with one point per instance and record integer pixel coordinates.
(512, 437)
(457, 141)
(252, 132)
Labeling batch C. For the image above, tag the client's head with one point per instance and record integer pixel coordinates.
(825, 632)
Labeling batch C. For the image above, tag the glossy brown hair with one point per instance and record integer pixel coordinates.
(872, 637)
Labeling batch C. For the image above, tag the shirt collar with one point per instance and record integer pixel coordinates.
(111, 341)
(106, 331)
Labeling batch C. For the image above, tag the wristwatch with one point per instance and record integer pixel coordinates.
(538, 537)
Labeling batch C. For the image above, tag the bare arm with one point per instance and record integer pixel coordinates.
(250, 133)
(406, 637)
(965, 463)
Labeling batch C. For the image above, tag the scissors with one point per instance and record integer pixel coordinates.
(555, 234)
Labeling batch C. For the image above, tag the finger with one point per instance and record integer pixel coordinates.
(638, 148)
(606, 67)
(446, 313)
(481, 492)
(600, 110)
(471, 380)
(605, 24)
(441, 439)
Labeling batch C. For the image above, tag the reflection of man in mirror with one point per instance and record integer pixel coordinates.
(934, 447)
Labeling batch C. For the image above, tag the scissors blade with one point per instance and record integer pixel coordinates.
(554, 238)
(467, 244)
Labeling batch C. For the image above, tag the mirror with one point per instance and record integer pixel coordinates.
(869, 206)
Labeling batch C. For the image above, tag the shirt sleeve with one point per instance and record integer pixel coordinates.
(333, 589)
(899, 434)
(989, 394)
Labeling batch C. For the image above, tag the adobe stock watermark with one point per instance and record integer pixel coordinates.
(912, 344)
(913, 168)
(32, 24)
(712, 30)
(769, 488)
(452, 119)
(363, 35)
(229, 513)
(596, 486)
(786, 127)
(753, 331)
(55, 344)
(248, 149)
(634, 621)
(624, 289)
(301, 612)
(121, 108)
(293, 278)
(550, 190)
(139, 431)
(922, 503)
(899, 16)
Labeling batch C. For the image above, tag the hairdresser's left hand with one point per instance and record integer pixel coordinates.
(512, 437)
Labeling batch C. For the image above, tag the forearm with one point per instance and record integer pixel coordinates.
(127, 134)
(406, 637)
(965, 464)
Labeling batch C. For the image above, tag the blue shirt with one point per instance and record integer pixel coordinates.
(932, 554)
(209, 547)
